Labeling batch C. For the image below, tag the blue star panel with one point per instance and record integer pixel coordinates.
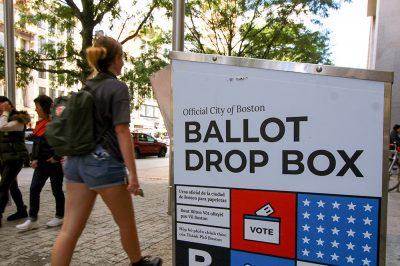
(337, 230)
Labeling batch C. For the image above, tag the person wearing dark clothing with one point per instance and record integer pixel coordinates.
(47, 165)
(9, 173)
(394, 135)
(12, 155)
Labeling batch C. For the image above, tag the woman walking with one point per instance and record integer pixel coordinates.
(103, 171)
(13, 153)
(46, 164)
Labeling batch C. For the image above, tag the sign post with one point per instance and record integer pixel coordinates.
(278, 163)
(9, 48)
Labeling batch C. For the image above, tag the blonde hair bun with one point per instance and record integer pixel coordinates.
(103, 53)
(94, 55)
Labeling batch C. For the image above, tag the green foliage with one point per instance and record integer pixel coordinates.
(149, 62)
(268, 29)
(293, 43)
(64, 59)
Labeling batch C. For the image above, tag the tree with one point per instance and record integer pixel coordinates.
(152, 59)
(268, 29)
(65, 60)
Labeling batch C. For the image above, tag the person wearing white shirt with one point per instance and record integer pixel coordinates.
(12, 155)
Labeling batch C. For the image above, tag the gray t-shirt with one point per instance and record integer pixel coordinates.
(112, 106)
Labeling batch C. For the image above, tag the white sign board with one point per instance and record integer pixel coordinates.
(309, 147)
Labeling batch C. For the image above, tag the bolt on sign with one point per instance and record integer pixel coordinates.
(278, 163)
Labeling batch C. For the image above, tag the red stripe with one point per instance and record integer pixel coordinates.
(40, 128)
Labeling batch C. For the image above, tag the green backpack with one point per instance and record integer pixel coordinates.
(71, 130)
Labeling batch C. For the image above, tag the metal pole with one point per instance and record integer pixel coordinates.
(9, 49)
(177, 45)
(179, 25)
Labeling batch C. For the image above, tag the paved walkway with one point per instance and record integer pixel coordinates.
(100, 244)
(393, 230)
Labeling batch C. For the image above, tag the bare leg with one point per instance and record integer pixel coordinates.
(119, 201)
(78, 206)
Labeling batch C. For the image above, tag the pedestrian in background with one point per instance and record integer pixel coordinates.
(103, 172)
(395, 135)
(47, 165)
(13, 153)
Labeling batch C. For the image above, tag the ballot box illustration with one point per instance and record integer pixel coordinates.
(264, 223)
(260, 227)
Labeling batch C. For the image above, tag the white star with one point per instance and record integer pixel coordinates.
(306, 228)
(306, 240)
(351, 219)
(320, 216)
(320, 229)
(366, 261)
(335, 257)
(335, 205)
(305, 252)
(321, 203)
(306, 202)
(350, 259)
(350, 233)
(352, 206)
(366, 248)
(320, 254)
(350, 246)
(367, 207)
(320, 242)
(367, 221)
(335, 244)
(306, 215)
(367, 235)
(335, 231)
(335, 218)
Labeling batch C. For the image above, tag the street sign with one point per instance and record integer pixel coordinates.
(278, 163)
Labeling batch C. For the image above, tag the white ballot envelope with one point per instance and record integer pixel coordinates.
(261, 229)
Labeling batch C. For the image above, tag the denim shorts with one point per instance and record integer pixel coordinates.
(97, 170)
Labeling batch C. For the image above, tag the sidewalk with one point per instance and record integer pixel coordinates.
(393, 230)
(99, 244)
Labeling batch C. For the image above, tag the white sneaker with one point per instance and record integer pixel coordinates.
(27, 225)
(55, 222)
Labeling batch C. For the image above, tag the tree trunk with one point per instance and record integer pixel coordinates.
(87, 41)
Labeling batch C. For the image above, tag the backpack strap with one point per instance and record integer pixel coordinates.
(91, 90)
(88, 88)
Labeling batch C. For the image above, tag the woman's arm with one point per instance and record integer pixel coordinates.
(9, 126)
(126, 146)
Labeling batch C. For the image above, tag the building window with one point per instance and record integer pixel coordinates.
(41, 45)
(42, 74)
(25, 97)
(42, 91)
(52, 29)
(23, 45)
(149, 111)
(52, 93)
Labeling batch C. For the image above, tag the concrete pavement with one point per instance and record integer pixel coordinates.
(100, 244)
